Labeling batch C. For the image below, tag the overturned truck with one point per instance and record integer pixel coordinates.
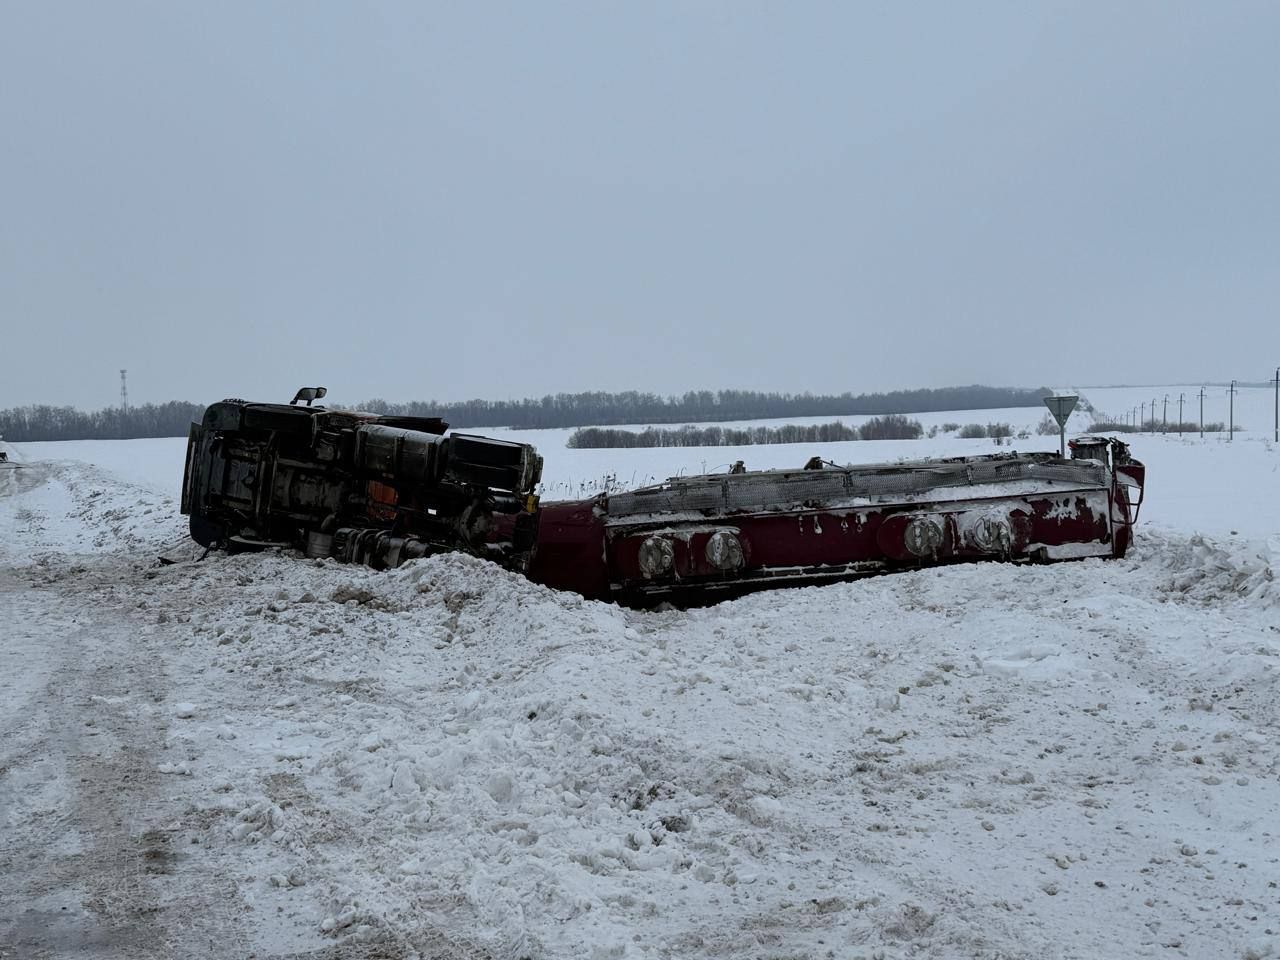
(382, 490)
(361, 488)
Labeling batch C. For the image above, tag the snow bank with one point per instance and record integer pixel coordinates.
(1074, 760)
(964, 761)
(1212, 572)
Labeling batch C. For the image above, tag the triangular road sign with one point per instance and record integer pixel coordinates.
(1061, 408)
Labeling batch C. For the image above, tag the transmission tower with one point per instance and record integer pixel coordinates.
(124, 390)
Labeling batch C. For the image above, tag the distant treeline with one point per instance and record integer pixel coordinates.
(559, 410)
(25, 424)
(891, 427)
(703, 406)
(1157, 426)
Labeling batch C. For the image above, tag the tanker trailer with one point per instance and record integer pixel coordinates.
(702, 538)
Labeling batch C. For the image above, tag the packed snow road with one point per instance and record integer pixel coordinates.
(274, 757)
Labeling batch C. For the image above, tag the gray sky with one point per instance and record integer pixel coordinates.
(412, 201)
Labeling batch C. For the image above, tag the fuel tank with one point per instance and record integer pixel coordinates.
(702, 538)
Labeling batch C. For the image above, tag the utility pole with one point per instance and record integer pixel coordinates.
(1165, 416)
(1202, 413)
(1231, 429)
(1181, 399)
(1142, 416)
(1153, 414)
(1277, 404)
(124, 391)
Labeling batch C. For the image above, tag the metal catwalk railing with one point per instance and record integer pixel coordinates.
(779, 489)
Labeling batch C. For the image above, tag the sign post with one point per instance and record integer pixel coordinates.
(1061, 408)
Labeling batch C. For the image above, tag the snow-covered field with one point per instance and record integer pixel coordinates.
(265, 756)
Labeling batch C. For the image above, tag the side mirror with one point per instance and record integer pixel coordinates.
(308, 394)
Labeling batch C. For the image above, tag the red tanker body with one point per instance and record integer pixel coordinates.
(701, 538)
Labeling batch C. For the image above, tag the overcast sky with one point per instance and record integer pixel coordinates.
(415, 201)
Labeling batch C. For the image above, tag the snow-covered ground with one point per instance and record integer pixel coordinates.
(282, 758)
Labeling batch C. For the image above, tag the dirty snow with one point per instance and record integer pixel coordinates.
(277, 757)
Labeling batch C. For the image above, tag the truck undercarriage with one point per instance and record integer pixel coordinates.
(367, 489)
